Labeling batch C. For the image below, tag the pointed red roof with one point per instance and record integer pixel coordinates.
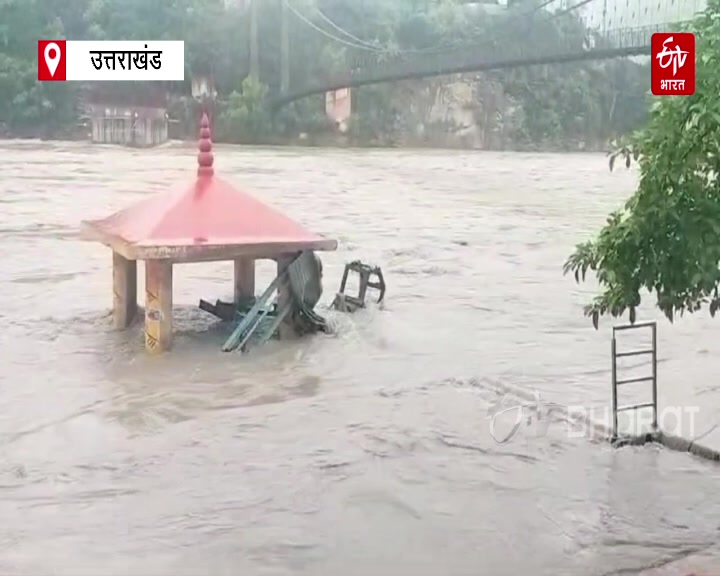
(210, 214)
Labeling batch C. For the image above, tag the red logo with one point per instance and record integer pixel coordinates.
(51, 60)
(673, 64)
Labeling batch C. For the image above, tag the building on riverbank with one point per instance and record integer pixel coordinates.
(129, 126)
(128, 118)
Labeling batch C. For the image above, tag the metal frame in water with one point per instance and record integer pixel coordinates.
(652, 351)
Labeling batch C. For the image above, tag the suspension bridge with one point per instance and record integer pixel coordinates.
(515, 37)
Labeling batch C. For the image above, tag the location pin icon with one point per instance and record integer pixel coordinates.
(52, 57)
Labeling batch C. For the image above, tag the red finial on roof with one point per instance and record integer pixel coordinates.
(205, 155)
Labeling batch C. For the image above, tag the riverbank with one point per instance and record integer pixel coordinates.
(339, 141)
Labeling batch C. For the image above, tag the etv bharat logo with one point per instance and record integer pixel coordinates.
(506, 408)
(673, 64)
(507, 416)
(676, 57)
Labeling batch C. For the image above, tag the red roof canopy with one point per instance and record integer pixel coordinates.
(209, 214)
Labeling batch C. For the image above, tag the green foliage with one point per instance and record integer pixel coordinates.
(374, 118)
(245, 116)
(305, 116)
(666, 239)
(25, 103)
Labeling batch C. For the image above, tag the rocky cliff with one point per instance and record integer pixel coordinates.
(478, 112)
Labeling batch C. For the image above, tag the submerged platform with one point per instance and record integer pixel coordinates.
(207, 221)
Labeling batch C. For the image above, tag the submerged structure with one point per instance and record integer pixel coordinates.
(208, 221)
(136, 127)
(128, 118)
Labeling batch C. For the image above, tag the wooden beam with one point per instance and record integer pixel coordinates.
(124, 291)
(202, 252)
(158, 306)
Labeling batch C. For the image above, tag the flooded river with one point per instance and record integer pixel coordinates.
(366, 452)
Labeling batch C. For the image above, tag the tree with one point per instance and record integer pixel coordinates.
(246, 117)
(26, 103)
(666, 239)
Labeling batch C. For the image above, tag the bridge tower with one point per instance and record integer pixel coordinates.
(604, 17)
(284, 49)
(254, 45)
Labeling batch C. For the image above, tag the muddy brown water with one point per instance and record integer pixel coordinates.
(366, 452)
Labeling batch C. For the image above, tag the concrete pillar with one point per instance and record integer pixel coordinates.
(286, 329)
(244, 279)
(158, 305)
(124, 291)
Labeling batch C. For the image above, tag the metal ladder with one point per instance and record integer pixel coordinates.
(653, 378)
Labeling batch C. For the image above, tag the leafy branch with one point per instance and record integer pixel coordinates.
(666, 239)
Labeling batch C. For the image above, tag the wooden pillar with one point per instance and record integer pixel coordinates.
(286, 329)
(158, 305)
(124, 291)
(244, 279)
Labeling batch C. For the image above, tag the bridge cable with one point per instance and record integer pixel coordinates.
(429, 50)
(571, 8)
(360, 44)
(326, 33)
(343, 31)
(528, 16)
(439, 48)
(364, 45)
(539, 7)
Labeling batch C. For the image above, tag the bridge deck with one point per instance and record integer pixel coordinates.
(483, 56)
